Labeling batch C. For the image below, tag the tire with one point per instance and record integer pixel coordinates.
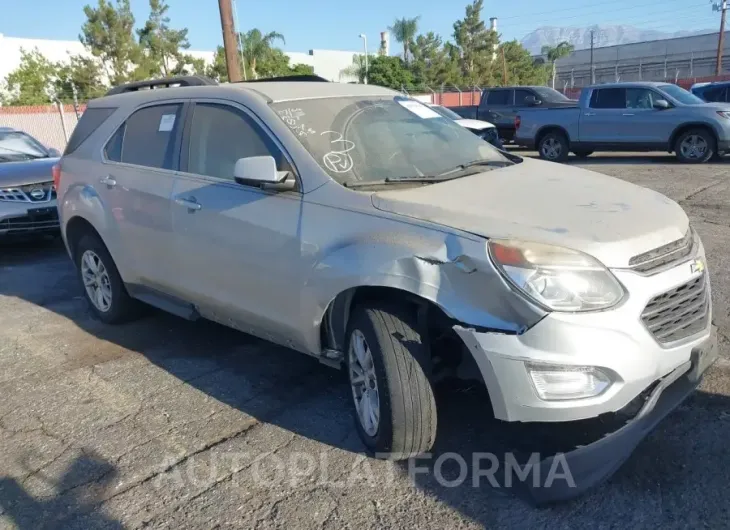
(405, 404)
(700, 139)
(582, 154)
(554, 147)
(121, 307)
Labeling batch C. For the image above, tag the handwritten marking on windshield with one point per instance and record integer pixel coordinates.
(291, 117)
(339, 161)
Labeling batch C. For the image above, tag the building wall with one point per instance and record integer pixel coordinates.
(326, 63)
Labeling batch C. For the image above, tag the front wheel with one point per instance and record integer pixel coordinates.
(695, 146)
(388, 365)
(554, 147)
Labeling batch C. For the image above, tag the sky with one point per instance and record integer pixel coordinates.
(336, 24)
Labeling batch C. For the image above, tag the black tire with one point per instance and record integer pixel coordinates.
(401, 360)
(560, 144)
(706, 136)
(122, 308)
(582, 154)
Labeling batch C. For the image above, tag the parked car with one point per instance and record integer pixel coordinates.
(500, 105)
(712, 92)
(629, 117)
(27, 195)
(483, 129)
(344, 222)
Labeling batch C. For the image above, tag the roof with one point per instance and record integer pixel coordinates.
(267, 90)
(647, 84)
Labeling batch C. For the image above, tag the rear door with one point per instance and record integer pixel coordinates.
(600, 120)
(238, 252)
(140, 160)
(499, 108)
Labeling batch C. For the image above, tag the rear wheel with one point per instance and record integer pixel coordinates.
(695, 146)
(554, 146)
(103, 287)
(582, 154)
(388, 365)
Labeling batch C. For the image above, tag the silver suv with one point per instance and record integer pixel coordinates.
(360, 227)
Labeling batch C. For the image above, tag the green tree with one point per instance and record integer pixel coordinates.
(404, 31)
(476, 44)
(389, 72)
(275, 63)
(301, 69)
(32, 83)
(108, 35)
(258, 47)
(432, 64)
(553, 53)
(357, 68)
(82, 74)
(521, 67)
(163, 45)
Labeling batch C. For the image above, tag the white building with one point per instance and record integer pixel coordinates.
(326, 63)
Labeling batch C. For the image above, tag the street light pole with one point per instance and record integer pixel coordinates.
(365, 45)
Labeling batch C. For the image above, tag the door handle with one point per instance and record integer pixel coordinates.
(589, 114)
(191, 204)
(108, 181)
(628, 114)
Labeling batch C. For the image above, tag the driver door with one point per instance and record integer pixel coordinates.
(237, 246)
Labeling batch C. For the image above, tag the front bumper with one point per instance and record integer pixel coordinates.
(24, 218)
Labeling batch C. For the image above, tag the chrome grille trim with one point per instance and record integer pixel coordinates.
(23, 193)
(665, 255)
(680, 313)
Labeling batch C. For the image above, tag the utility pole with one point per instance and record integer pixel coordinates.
(593, 71)
(721, 38)
(229, 41)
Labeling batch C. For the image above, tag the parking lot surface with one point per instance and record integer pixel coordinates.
(164, 423)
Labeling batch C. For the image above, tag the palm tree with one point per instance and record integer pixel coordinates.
(553, 53)
(356, 69)
(256, 47)
(404, 30)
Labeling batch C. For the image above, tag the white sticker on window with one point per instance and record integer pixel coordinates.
(419, 109)
(167, 122)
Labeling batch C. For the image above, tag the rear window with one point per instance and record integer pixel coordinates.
(713, 94)
(148, 137)
(498, 97)
(90, 120)
(609, 98)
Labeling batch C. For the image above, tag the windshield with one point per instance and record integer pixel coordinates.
(377, 138)
(683, 96)
(549, 94)
(15, 145)
(446, 113)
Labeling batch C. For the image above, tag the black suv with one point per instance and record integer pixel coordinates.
(713, 92)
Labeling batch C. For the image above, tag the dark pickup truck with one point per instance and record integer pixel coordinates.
(500, 105)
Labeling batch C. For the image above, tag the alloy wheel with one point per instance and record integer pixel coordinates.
(96, 281)
(364, 383)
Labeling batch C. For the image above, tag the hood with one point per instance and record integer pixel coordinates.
(713, 106)
(603, 216)
(477, 125)
(26, 172)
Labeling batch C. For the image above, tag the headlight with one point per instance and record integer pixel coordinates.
(556, 382)
(558, 278)
(724, 113)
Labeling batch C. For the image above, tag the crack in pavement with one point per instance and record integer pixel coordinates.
(700, 190)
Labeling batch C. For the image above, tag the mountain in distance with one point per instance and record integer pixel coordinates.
(604, 36)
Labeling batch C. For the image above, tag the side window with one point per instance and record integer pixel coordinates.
(113, 148)
(498, 98)
(608, 98)
(90, 120)
(521, 95)
(220, 135)
(149, 136)
(714, 94)
(640, 98)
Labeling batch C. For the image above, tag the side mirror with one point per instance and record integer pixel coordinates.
(260, 171)
(532, 101)
(661, 104)
(53, 152)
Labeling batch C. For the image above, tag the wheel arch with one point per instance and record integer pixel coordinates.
(684, 127)
(548, 129)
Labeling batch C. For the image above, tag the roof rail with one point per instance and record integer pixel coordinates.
(304, 77)
(188, 80)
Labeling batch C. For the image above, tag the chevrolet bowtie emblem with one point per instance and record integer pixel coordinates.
(697, 266)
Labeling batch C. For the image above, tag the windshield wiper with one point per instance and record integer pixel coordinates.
(396, 180)
(474, 163)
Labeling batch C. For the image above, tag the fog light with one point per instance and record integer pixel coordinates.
(557, 382)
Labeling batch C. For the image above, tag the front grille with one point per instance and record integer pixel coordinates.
(41, 192)
(679, 313)
(665, 255)
(26, 223)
